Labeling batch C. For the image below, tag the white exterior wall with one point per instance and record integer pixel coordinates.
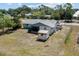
(44, 28)
(54, 29)
(51, 30)
(43, 37)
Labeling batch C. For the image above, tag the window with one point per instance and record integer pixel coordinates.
(42, 34)
(44, 28)
(27, 24)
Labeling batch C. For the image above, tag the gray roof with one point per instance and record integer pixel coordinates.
(50, 23)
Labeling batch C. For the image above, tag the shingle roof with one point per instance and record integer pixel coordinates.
(50, 23)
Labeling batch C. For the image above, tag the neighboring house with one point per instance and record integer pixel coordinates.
(29, 14)
(43, 27)
(76, 15)
(47, 16)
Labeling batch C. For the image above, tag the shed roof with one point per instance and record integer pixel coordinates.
(50, 23)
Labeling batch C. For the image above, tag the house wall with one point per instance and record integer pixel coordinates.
(44, 28)
(41, 27)
(26, 26)
(51, 30)
(43, 36)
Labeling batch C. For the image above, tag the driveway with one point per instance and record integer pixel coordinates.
(70, 24)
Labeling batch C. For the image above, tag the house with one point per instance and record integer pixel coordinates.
(47, 16)
(76, 15)
(43, 27)
(29, 14)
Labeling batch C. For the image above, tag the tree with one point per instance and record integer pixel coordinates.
(9, 23)
(23, 10)
(41, 11)
(68, 11)
(19, 13)
(2, 21)
(56, 15)
(47, 10)
(57, 12)
(38, 14)
(3, 11)
(61, 11)
(6, 22)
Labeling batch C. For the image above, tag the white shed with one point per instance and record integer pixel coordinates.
(43, 35)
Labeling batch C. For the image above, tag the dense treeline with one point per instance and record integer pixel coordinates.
(10, 18)
(63, 11)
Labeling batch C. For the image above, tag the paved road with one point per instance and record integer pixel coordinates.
(72, 24)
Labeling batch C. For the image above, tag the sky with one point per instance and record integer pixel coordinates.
(32, 5)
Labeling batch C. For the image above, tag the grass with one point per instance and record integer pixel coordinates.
(71, 48)
(68, 38)
(22, 43)
(2, 54)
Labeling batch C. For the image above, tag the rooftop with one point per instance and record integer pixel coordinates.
(50, 23)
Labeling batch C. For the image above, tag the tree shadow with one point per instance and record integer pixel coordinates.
(32, 32)
(39, 40)
(9, 31)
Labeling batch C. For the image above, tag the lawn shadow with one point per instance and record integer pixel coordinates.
(9, 31)
(36, 33)
(41, 40)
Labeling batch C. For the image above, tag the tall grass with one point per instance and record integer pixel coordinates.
(67, 39)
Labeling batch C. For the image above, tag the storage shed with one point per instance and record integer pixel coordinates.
(43, 35)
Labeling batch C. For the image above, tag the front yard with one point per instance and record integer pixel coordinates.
(19, 42)
(22, 43)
